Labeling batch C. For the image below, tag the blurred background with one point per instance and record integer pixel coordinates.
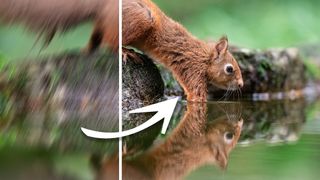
(16, 42)
(249, 23)
(48, 144)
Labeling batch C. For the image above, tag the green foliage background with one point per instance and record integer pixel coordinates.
(249, 23)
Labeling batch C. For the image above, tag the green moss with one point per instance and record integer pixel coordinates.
(2, 61)
(55, 79)
(4, 106)
(8, 138)
(312, 68)
(261, 71)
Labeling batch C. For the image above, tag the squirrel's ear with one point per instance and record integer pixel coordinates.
(222, 45)
(221, 156)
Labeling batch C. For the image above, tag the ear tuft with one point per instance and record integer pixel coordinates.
(224, 38)
(222, 45)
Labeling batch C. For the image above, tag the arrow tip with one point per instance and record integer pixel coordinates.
(85, 131)
(168, 112)
(164, 110)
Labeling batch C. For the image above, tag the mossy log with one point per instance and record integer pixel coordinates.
(142, 85)
(45, 101)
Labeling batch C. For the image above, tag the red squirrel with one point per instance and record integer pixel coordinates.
(194, 63)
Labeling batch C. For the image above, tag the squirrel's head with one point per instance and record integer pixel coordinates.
(222, 136)
(224, 71)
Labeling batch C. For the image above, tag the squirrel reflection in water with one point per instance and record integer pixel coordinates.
(193, 143)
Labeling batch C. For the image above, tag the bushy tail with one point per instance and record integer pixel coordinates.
(47, 17)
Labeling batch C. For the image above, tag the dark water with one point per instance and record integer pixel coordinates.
(279, 140)
(51, 150)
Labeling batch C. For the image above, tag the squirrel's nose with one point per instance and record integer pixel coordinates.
(240, 83)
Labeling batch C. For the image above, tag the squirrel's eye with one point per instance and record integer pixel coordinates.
(228, 69)
(228, 136)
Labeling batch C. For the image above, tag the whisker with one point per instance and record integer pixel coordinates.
(220, 106)
(225, 94)
(229, 91)
(238, 94)
(232, 94)
(239, 111)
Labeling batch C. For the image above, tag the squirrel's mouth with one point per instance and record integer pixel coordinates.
(229, 87)
(233, 85)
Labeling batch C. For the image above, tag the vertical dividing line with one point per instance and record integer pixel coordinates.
(120, 88)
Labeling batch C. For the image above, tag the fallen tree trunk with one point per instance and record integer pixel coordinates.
(142, 85)
(53, 97)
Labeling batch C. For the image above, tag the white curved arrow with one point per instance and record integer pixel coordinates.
(164, 111)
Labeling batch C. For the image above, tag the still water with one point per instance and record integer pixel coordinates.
(279, 139)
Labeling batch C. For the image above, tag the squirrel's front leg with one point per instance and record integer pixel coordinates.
(196, 93)
(195, 88)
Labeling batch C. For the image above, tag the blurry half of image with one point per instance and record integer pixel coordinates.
(59, 71)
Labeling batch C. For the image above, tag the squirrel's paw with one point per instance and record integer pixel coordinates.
(131, 55)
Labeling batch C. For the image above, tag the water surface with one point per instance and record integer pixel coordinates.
(280, 140)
